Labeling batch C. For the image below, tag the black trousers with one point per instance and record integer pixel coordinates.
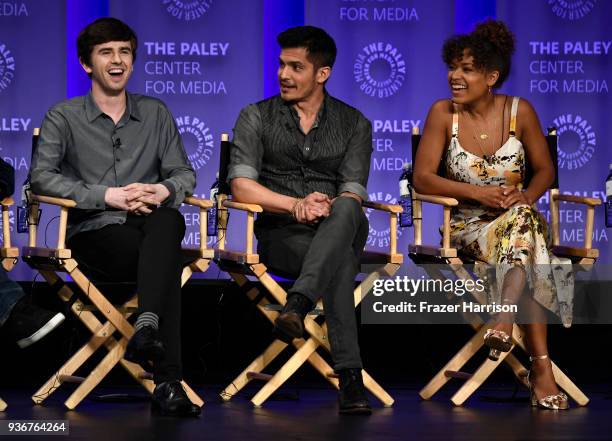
(147, 249)
(325, 260)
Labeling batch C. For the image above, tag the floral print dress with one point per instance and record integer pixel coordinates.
(506, 238)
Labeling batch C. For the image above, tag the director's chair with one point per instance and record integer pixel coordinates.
(8, 253)
(449, 257)
(244, 264)
(51, 261)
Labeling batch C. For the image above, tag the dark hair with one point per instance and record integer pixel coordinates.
(102, 31)
(491, 44)
(320, 47)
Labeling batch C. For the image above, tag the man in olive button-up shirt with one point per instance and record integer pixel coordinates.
(304, 156)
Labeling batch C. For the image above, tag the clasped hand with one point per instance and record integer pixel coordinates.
(501, 197)
(136, 198)
(312, 208)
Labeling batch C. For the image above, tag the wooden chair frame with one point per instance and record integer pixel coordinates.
(448, 255)
(239, 265)
(8, 253)
(50, 261)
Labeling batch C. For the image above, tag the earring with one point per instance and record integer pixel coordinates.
(489, 90)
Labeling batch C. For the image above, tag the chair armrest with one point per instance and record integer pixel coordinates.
(591, 202)
(393, 211)
(65, 203)
(197, 202)
(251, 208)
(438, 200)
(447, 204)
(383, 207)
(8, 253)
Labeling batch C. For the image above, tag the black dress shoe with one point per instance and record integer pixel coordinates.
(290, 322)
(352, 397)
(145, 346)
(170, 399)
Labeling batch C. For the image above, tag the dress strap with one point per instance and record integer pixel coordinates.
(513, 111)
(455, 128)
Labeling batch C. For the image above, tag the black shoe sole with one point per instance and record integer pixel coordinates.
(356, 411)
(157, 410)
(290, 324)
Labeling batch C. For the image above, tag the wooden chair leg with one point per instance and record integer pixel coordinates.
(366, 284)
(476, 380)
(102, 335)
(317, 332)
(97, 298)
(569, 387)
(76, 361)
(3, 405)
(193, 397)
(376, 389)
(285, 372)
(454, 364)
(93, 379)
(562, 380)
(256, 365)
(319, 363)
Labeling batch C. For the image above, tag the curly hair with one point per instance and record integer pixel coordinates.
(491, 44)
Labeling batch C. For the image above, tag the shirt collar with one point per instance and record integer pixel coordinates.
(320, 114)
(93, 111)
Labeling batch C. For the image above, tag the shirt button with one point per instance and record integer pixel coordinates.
(118, 160)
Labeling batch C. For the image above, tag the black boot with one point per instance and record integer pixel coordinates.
(145, 346)
(352, 397)
(290, 322)
(170, 399)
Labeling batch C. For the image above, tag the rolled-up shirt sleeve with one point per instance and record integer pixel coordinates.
(355, 167)
(46, 172)
(247, 148)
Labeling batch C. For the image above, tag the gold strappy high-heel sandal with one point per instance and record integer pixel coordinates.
(554, 402)
(498, 342)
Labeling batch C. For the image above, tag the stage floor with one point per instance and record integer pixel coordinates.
(311, 414)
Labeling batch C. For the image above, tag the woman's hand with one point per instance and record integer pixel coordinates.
(490, 196)
(513, 196)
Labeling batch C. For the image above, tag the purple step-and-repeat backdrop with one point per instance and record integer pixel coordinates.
(204, 58)
(32, 79)
(563, 66)
(389, 67)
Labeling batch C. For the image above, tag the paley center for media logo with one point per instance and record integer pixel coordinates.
(7, 67)
(200, 145)
(572, 9)
(577, 141)
(187, 10)
(379, 229)
(379, 70)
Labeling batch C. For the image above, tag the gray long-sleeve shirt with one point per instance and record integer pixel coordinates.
(81, 152)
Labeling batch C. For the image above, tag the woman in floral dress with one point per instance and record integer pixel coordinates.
(483, 140)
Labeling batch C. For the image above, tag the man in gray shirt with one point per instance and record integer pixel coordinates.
(304, 156)
(120, 157)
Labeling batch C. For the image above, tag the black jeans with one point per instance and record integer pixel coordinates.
(149, 248)
(325, 260)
